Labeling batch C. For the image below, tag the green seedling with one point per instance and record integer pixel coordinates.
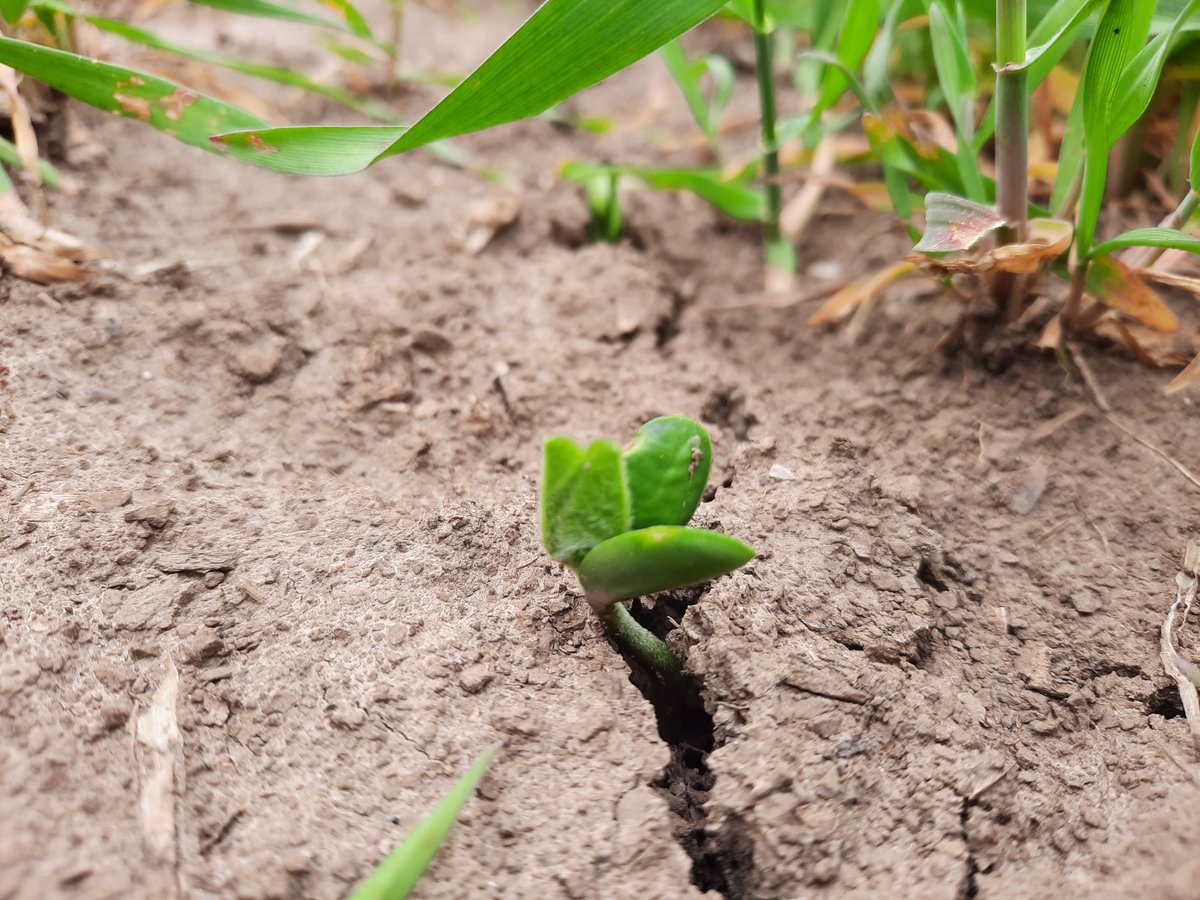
(618, 519)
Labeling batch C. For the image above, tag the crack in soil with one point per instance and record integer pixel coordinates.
(970, 885)
(722, 859)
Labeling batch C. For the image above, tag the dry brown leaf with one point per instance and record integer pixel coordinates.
(1112, 283)
(798, 211)
(38, 266)
(1048, 238)
(1186, 282)
(857, 292)
(22, 125)
(1051, 337)
(1189, 376)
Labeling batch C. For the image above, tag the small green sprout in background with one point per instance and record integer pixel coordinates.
(617, 518)
(399, 872)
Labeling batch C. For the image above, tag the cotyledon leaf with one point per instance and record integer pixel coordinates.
(564, 462)
(589, 507)
(666, 466)
(395, 877)
(655, 559)
(182, 113)
(564, 47)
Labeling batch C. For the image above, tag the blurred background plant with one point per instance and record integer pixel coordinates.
(1015, 139)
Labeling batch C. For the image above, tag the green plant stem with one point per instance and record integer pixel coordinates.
(773, 194)
(1012, 140)
(649, 650)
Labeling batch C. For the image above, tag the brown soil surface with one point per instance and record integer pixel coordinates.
(311, 487)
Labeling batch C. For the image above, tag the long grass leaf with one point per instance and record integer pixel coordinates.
(1167, 238)
(566, 46)
(276, 74)
(400, 871)
(737, 198)
(264, 9)
(1120, 35)
(1138, 82)
(854, 42)
(172, 108)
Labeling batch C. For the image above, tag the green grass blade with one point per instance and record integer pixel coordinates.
(403, 867)
(854, 42)
(1120, 35)
(9, 155)
(875, 75)
(706, 110)
(1138, 82)
(1167, 238)
(256, 70)
(172, 108)
(736, 197)
(264, 9)
(956, 76)
(566, 46)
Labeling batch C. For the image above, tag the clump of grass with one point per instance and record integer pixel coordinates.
(617, 518)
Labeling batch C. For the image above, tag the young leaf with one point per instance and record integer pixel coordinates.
(655, 559)
(588, 508)
(1169, 238)
(1119, 36)
(398, 873)
(564, 462)
(566, 46)
(666, 466)
(858, 33)
(706, 110)
(736, 197)
(955, 223)
(185, 115)
(1139, 81)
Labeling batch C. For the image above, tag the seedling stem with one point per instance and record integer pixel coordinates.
(1012, 139)
(778, 256)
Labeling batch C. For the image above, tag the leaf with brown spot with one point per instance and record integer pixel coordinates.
(1112, 283)
(857, 292)
(955, 223)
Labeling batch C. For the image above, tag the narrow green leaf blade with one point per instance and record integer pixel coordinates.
(667, 466)
(396, 876)
(264, 9)
(9, 155)
(655, 559)
(1139, 80)
(276, 74)
(566, 46)
(169, 107)
(1169, 238)
(590, 508)
(1121, 33)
